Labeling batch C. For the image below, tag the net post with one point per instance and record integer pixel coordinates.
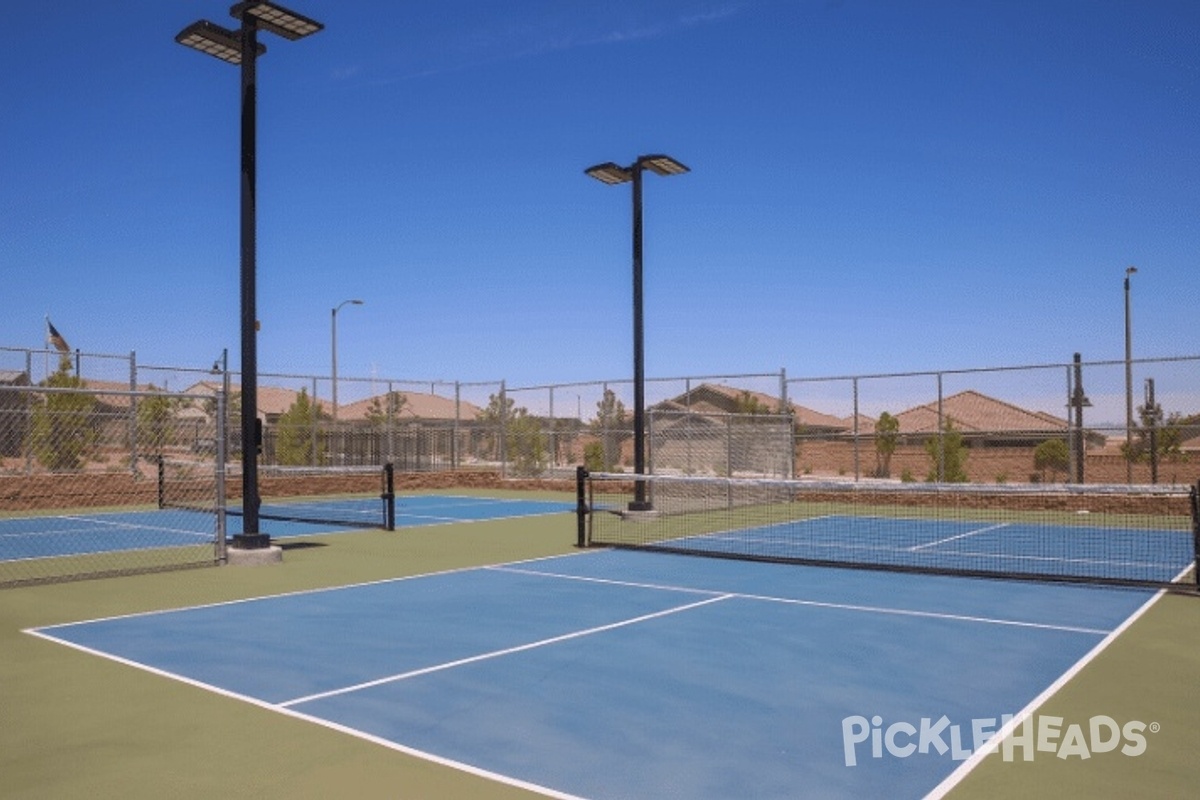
(222, 438)
(162, 482)
(581, 506)
(1194, 498)
(389, 497)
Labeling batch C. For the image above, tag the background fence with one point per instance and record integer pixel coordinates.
(79, 481)
(1065, 422)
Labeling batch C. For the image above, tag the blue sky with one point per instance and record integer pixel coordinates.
(875, 186)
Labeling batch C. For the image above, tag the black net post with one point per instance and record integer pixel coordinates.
(162, 479)
(581, 506)
(1194, 497)
(389, 497)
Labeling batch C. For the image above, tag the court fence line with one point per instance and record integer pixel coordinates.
(1039, 423)
(78, 492)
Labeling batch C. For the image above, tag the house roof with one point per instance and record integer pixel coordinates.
(712, 398)
(12, 377)
(417, 405)
(973, 412)
(272, 400)
(866, 425)
(275, 400)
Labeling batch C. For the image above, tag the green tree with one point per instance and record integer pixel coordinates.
(526, 442)
(593, 457)
(380, 411)
(1156, 440)
(493, 420)
(887, 437)
(297, 443)
(950, 452)
(610, 425)
(154, 417)
(1052, 455)
(63, 430)
(747, 403)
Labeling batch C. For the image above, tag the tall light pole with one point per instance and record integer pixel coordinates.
(333, 342)
(1128, 382)
(611, 173)
(241, 47)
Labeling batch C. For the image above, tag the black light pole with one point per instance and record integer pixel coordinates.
(333, 348)
(1128, 382)
(241, 47)
(611, 173)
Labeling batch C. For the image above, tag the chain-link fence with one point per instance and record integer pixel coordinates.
(1075, 422)
(1091, 422)
(716, 444)
(79, 488)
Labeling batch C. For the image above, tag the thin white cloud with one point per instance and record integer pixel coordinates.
(516, 41)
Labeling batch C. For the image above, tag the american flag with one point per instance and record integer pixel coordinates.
(55, 338)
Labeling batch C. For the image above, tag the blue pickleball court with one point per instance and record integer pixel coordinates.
(620, 674)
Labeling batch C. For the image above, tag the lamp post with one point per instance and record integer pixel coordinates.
(333, 343)
(1128, 382)
(611, 174)
(241, 47)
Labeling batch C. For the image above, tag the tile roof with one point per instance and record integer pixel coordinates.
(973, 412)
(712, 398)
(417, 405)
(275, 400)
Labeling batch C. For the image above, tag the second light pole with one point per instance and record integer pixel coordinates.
(333, 345)
(1128, 381)
(611, 173)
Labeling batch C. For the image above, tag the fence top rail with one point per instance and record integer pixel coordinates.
(110, 392)
(70, 353)
(441, 382)
(678, 379)
(977, 370)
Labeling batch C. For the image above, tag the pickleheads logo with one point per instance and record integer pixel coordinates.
(1041, 734)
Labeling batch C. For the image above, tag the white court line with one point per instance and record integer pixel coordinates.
(92, 521)
(935, 543)
(427, 519)
(989, 747)
(136, 527)
(325, 723)
(498, 653)
(904, 612)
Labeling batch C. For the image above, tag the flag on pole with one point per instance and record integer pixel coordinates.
(55, 338)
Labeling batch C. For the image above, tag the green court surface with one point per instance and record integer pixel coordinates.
(76, 726)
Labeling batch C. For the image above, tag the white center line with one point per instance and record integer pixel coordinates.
(498, 653)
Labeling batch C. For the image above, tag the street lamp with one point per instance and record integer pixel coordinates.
(241, 47)
(1128, 383)
(612, 174)
(333, 341)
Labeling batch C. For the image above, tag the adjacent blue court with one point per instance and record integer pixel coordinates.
(86, 532)
(621, 674)
(435, 509)
(1133, 554)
